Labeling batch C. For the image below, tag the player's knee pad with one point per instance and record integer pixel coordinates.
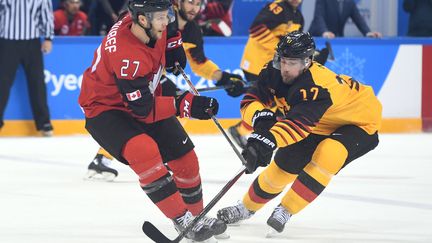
(330, 155)
(273, 179)
(186, 170)
(142, 154)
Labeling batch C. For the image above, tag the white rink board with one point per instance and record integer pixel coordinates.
(385, 196)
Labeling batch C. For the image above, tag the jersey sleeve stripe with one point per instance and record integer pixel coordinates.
(295, 127)
(287, 130)
(281, 136)
(303, 126)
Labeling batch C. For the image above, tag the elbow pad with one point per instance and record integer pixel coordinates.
(137, 95)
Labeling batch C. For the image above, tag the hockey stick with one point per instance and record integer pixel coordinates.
(214, 88)
(330, 49)
(215, 120)
(154, 233)
(157, 236)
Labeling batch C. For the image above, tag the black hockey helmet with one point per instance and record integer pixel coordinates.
(296, 44)
(145, 7)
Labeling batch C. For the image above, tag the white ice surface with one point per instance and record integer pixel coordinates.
(385, 196)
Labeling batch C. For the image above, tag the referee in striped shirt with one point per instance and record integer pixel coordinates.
(22, 25)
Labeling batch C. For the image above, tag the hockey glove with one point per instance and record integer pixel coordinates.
(263, 120)
(234, 84)
(259, 150)
(189, 105)
(175, 53)
(321, 56)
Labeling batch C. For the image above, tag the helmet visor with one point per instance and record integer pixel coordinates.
(159, 16)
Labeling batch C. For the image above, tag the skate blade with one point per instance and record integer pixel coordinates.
(236, 224)
(222, 236)
(104, 176)
(107, 176)
(210, 240)
(271, 233)
(91, 174)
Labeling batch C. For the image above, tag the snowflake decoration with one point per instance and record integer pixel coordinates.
(349, 64)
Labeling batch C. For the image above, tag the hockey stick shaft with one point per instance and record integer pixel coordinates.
(215, 120)
(331, 54)
(156, 235)
(206, 89)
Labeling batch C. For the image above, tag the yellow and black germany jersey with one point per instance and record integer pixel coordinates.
(275, 20)
(318, 101)
(193, 46)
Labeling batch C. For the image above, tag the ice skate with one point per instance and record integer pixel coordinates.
(277, 221)
(99, 169)
(234, 214)
(237, 137)
(47, 130)
(203, 231)
(218, 226)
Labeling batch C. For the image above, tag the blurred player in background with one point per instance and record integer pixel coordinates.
(127, 115)
(328, 121)
(186, 14)
(69, 20)
(216, 18)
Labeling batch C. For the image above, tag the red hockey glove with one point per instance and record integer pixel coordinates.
(175, 53)
(189, 105)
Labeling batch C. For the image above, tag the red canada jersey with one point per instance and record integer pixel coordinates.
(77, 26)
(122, 56)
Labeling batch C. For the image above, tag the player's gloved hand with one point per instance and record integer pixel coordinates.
(189, 105)
(234, 84)
(263, 120)
(321, 56)
(175, 53)
(259, 150)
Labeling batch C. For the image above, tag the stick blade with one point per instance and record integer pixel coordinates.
(153, 233)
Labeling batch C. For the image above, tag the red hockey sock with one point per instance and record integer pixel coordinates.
(144, 158)
(186, 175)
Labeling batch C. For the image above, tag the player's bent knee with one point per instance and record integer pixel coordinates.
(273, 179)
(186, 169)
(330, 155)
(143, 156)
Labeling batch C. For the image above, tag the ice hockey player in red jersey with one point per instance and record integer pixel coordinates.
(127, 115)
(186, 12)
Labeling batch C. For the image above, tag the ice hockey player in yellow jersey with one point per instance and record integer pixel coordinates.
(327, 121)
(275, 20)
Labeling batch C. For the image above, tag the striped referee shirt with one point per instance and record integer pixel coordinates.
(26, 19)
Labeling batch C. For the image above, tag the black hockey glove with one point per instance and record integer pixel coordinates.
(263, 120)
(189, 105)
(259, 150)
(321, 56)
(234, 84)
(175, 53)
